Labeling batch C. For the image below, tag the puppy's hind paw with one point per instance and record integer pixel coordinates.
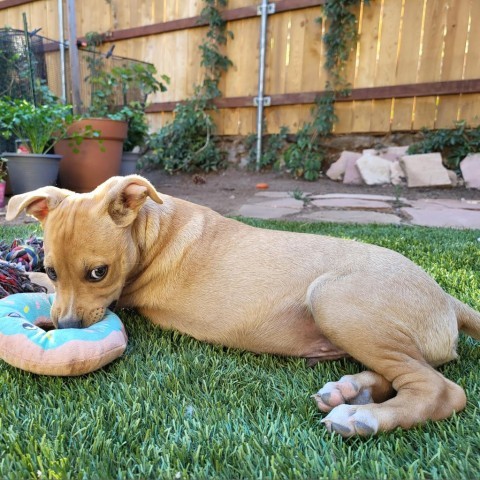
(348, 421)
(346, 390)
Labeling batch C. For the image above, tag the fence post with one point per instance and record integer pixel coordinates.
(73, 55)
(260, 101)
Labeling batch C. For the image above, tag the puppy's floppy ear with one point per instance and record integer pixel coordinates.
(127, 196)
(37, 203)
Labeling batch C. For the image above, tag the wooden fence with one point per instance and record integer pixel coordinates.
(416, 64)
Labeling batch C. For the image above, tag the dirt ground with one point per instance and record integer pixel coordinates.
(228, 190)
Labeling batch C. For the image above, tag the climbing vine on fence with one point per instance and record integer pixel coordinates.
(187, 143)
(304, 158)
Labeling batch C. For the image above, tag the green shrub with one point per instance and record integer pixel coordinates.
(273, 145)
(454, 144)
(186, 144)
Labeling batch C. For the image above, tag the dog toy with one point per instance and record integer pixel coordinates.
(13, 279)
(17, 259)
(28, 254)
(65, 352)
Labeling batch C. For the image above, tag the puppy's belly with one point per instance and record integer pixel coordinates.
(292, 332)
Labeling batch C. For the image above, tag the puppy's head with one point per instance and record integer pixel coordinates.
(88, 242)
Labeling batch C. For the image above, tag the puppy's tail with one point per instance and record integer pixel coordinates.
(468, 319)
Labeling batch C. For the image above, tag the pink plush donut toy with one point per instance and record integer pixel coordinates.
(67, 352)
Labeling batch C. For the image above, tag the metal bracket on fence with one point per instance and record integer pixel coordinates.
(270, 9)
(266, 101)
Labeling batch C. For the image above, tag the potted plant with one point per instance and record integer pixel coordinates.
(3, 180)
(140, 79)
(134, 114)
(36, 129)
(113, 117)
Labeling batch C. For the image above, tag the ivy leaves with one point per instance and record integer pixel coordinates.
(187, 143)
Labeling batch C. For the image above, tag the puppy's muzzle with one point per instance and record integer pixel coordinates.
(70, 323)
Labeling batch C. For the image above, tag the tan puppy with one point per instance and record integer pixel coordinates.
(188, 268)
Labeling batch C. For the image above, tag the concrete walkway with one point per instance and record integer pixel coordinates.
(358, 208)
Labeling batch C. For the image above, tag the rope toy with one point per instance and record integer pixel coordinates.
(27, 254)
(17, 259)
(67, 352)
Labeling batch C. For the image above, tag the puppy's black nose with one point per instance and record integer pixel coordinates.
(70, 323)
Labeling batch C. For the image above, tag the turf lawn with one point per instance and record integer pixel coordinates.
(174, 408)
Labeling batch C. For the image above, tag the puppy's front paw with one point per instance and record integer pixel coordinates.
(346, 390)
(348, 421)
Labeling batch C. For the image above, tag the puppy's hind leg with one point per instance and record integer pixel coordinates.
(360, 324)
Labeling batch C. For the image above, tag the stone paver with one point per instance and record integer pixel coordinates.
(442, 204)
(286, 202)
(364, 209)
(448, 217)
(351, 204)
(270, 194)
(258, 210)
(360, 196)
(351, 216)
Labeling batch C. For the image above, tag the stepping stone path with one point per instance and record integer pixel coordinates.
(364, 209)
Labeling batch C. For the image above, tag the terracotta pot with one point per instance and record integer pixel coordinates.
(29, 171)
(88, 163)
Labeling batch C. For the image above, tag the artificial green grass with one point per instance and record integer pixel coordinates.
(173, 407)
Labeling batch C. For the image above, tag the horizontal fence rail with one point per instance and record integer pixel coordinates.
(416, 63)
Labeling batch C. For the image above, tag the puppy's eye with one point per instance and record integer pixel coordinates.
(97, 273)
(51, 273)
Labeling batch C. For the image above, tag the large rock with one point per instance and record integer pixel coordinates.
(374, 170)
(470, 167)
(352, 174)
(388, 153)
(425, 170)
(337, 169)
(397, 175)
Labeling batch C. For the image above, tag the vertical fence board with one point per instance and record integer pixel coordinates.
(243, 52)
(313, 73)
(472, 64)
(294, 56)
(425, 109)
(381, 112)
(447, 111)
(365, 73)
(194, 73)
(407, 64)
(470, 109)
(453, 59)
(276, 52)
(387, 63)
